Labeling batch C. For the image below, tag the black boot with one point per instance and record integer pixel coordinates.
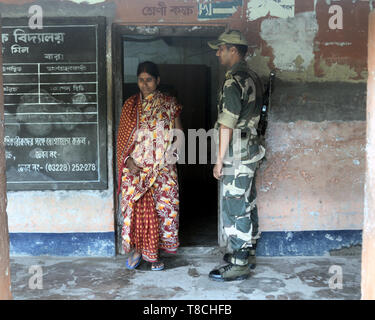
(238, 269)
(228, 257)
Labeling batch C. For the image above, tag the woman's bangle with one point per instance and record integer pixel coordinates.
(176, 155)
(126, 159)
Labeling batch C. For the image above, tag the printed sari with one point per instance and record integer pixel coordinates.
(149, 199)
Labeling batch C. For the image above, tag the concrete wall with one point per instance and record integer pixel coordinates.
(312, 180)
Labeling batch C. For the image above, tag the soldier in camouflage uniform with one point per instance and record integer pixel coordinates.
(239, 108)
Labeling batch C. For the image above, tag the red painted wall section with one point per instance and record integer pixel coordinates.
(337, 54)
(314, 176)
(346, 46)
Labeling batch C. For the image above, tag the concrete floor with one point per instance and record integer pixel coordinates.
(185, 277)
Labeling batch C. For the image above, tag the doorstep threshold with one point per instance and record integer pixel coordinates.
(198, 250)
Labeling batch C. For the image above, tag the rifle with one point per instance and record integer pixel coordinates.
(266, 105)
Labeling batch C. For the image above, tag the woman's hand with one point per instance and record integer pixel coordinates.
(133, 168)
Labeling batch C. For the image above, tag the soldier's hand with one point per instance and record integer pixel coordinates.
(218, 170)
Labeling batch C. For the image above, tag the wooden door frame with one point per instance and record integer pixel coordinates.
(117, 32)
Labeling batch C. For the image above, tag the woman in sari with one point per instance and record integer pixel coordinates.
(147, 181)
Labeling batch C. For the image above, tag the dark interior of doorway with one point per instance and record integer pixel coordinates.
(191, 83)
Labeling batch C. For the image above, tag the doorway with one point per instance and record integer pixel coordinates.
(189, 71)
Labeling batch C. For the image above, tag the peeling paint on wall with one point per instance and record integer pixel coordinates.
(333, 72)
(261, 8)
(294, 37)
(316, 71)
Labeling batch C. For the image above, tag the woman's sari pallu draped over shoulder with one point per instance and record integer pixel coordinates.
(149, 199)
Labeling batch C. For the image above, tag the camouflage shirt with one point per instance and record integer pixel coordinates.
(239, 107)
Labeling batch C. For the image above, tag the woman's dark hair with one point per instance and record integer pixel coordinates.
(149, 67)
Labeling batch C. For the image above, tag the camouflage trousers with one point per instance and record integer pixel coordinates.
(239, 209)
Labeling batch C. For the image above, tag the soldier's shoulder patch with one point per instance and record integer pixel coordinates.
(229, 82)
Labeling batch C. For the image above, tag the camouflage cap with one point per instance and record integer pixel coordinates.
(228, 37)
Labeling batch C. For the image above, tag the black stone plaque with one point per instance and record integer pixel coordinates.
(55, 104)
